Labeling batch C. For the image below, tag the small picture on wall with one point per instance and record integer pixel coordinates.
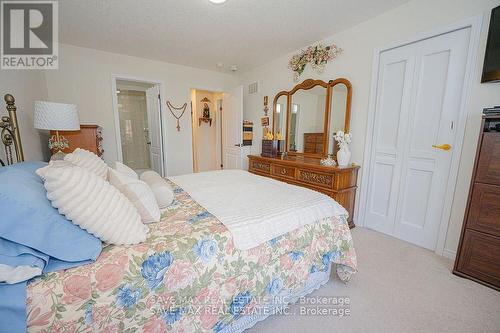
(264, 121)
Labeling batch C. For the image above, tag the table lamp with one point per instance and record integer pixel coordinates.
(56, 117)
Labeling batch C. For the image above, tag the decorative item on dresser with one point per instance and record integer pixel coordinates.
(270, 148)
(338, 183)
(89, 137)
(478, 254)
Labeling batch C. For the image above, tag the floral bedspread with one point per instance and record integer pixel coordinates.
(187, 276)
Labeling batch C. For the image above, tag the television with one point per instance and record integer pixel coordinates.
(491, 67)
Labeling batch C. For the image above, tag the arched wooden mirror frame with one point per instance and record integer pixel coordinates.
(307, 85)
(347, 83)
(275, 103)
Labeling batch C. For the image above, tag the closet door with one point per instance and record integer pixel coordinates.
(416, 115)
(436, 98)
(394, 88)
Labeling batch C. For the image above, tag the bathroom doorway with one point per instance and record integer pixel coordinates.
(138, 124)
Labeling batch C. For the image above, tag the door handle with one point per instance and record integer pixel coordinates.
(444, 146)
(238, 145)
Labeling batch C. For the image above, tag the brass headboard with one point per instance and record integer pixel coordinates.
(10, 132)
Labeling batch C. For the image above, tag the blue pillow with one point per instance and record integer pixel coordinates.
(28, 218)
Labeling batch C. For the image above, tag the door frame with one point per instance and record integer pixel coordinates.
(116, 115)
(474, 23)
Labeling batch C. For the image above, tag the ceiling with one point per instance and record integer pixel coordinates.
(197, 33)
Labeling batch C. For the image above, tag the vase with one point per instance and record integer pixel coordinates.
(343, 156)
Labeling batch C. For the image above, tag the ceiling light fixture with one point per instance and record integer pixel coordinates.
(217, 1)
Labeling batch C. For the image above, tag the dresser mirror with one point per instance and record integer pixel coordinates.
(308, 115)
(340, 113)
(306, 124)
(279, 114)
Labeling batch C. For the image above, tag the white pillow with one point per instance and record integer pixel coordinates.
(162, 190)
(88, 160)
(139, 193)
(125, 170)
(52, 164)
(93, 204)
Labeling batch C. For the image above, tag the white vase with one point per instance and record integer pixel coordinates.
(343, 156)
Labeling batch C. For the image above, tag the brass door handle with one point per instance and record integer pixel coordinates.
(443, 146)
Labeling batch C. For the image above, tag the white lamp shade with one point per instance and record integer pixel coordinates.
(56, 116)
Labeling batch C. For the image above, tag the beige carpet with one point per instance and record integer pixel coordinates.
(399, 288)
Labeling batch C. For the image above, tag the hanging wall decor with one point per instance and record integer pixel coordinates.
(318, 56)
(206, 108)
(266, 107)
(206, 112)
(172, 108)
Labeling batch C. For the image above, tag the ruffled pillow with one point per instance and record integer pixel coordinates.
(53, 164)
(88, 160)
(139, 194)
(90, 202)
(125, 170)
(162, 190)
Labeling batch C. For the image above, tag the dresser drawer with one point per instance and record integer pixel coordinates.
(480, 257)
(488, 167)
(283, 171)
(260, 167)
(324, 180)
(484, 212)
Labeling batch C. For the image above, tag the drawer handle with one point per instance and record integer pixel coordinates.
(283, 171)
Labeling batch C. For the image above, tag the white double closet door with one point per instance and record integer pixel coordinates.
(418, 100)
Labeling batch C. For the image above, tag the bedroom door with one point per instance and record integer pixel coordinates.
(154, 133)
(232, 127)
(418, 100)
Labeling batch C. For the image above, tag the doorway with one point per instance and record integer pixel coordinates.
(138, 124)
(415, 135)
(207, 108)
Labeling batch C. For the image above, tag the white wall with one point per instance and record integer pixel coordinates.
(84, 78)
(355, 64)
(26, 86)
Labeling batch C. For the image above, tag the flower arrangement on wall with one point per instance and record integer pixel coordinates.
(318, 56)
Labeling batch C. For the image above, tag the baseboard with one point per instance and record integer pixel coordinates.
(449, 254)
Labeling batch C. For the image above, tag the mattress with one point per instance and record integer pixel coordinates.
(187, 277)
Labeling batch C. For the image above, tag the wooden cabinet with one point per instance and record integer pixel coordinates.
(313, 143)
(478, 254)
(479, 258)
(484, 211)
(488, 166)
(89, 137)
(338, 183)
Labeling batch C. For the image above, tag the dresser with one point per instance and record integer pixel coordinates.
(89, 137)
(478, 254)
(338, 183)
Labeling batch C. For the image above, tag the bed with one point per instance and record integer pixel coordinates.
(189, 276)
